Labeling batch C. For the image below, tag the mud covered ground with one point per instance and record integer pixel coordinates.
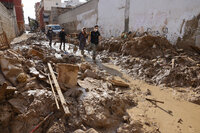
(111, 93)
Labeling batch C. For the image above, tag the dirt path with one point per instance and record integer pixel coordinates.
(174, 116)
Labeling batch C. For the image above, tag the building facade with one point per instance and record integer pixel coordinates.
(167, 18)
(43, 11)
(8, 22)
(18, 9)
(55, 12)
(71, 3)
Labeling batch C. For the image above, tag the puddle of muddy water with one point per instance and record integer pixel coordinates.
(181, 110)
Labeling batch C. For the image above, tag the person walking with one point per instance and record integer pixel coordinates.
(62, 38)
(82, 37)
(94, 39)
(50, 35)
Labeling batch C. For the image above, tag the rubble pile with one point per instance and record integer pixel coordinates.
(95, 103)
(154, 59)
(146, 46)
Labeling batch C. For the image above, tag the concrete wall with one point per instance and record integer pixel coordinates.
(159, 17)
(55, 12)
(7, 22)
(166, 17)
(111, 17)
(81, 16)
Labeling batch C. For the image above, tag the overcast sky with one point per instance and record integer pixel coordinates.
(29, 9)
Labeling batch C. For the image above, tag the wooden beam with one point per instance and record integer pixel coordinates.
(60, 94)
(53, 92)
(173, 63)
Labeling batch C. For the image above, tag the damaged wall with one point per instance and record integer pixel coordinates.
(73, 20)
(7, 22)
(165, 17)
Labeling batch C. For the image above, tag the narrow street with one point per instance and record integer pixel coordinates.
(99, 66)
(174, 114)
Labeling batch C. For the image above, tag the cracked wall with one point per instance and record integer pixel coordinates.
(164, 17)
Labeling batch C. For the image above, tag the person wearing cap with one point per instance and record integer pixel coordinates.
(82, 37)
(94, 40)
(62, 38)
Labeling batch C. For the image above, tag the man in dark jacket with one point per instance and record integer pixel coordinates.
(82, 38)
(62, 38)
(94, 40)
(50, 35)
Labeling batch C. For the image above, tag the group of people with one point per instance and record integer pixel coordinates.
(92, 38)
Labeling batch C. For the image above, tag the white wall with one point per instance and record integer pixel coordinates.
(159, 14)
(87, 19)
(82, 16)
(160, 17)
(111, 17)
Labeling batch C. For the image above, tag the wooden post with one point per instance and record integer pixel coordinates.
(53, 92)
(62, 99)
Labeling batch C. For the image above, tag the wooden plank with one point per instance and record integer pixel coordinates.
(53, 92)
(153, 100)
(173, 63)
(62, 99)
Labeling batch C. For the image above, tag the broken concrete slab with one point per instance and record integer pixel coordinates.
(67, 75)
(91, 74)
(19, 105)
(11, 68)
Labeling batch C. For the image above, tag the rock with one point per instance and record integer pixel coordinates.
(36, 53)
(91, 74)
(148, 92)
(57, 127)
(118, 83)
(67, 75)
(11, 68)
(91, 130)
(74, 92)
(79, 131)
(22, 77)
(20, 105)
(101, 105)
(84, 66)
